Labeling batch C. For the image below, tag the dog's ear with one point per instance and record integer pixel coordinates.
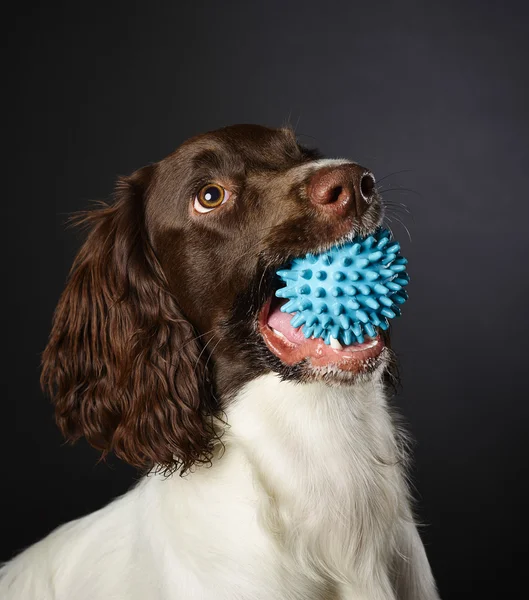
(123, 365)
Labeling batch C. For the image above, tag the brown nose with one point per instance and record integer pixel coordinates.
(342, 190)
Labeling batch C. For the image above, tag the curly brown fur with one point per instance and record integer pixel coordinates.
(122, 364)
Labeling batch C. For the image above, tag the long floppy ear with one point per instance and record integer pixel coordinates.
(122, 365)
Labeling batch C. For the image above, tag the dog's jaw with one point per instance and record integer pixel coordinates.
(353, 359)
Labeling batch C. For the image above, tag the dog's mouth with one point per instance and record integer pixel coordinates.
(291, 347)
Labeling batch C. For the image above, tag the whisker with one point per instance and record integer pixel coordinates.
(401, 223)
(297, 123)
(196, 338)
(261, 280)
(211, 354)
(202, 351)
(395, 173)
(306, 135)
(397, 208)
(386, 221)
(396, 218)
(399, 189)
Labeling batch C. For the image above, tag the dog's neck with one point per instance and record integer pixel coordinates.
(328, 462)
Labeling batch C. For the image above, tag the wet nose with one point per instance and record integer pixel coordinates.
(343, 190)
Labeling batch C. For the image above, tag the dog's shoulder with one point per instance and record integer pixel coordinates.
(77, 560)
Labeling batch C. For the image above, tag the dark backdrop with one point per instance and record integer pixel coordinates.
(433, 97)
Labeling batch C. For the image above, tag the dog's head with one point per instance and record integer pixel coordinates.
(170, 309)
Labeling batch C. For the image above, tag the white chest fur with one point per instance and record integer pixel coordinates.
(330, 471)
(304, 504)
(305, 500)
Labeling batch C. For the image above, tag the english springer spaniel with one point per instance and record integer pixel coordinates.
(274, 467)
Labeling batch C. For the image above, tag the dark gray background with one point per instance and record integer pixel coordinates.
(438, 91)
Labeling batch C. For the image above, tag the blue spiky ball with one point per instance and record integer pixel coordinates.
(347, 291)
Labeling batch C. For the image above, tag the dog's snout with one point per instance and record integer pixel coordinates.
(342, 190)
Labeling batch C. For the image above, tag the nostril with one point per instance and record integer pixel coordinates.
(367, 186)
(344, 190)
(335, 193)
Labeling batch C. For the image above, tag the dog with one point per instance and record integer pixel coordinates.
(274, 467)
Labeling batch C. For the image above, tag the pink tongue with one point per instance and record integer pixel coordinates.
(281, 322)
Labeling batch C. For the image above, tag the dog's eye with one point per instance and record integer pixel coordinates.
(210, 196)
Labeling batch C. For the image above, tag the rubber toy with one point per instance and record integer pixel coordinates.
(348, 291)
